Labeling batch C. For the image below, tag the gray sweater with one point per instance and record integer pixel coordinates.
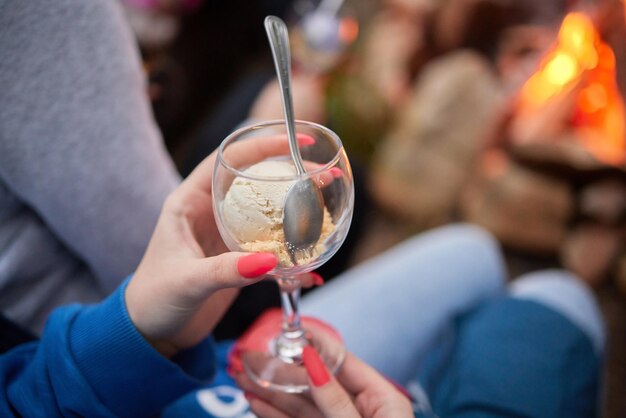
(83, 171)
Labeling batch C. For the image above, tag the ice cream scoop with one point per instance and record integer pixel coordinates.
(253, 209)
(253, 212)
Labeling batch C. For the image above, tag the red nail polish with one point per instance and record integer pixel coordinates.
(317, 279)
(336, 172)
(234, 364)
(250, 396)
(254, 265)
(305, 140)
(315, 367)
(234, 368)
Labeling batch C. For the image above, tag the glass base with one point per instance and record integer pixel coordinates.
(267, 369)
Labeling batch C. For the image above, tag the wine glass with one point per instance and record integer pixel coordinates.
(252, 175)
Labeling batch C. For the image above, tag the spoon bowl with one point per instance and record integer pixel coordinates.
(303, 216)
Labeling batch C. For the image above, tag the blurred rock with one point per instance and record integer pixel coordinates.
(604, 200)
(620, 273)
(589, 251)
(563, 151)
(479, 24)
(524, 209)
(423, 163)
(387, 49)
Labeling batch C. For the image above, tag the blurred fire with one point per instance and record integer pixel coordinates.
(599, 109)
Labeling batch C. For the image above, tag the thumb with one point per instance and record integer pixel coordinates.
(233, 269)
(329, 396)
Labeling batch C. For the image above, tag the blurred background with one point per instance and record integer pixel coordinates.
(504, 113)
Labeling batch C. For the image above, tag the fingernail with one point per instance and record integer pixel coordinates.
(317, 279)
(254, 265)
(336, 172)
(235, 366)
(304, 140)
(250, 396)
(315, 367)
(233, 370)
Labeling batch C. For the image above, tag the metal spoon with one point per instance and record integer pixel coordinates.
(303, 214)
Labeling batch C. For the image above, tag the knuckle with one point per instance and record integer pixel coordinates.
(174, 204)
(221, 271)
(337, 401)
(216, 272)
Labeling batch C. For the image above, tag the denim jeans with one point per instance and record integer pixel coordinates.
(391, 309)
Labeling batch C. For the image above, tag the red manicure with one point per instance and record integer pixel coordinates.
(250, 396)
(317, 279)
(255, 265)
(315, 367)
(232, 371)
(305, 140)
(336, 172)
(235, 367)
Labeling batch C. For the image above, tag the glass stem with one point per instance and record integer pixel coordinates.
(291, 315)
(292, 340)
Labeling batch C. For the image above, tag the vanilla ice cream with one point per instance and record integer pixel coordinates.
(253, 212)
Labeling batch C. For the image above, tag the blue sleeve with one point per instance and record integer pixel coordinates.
(92, 361)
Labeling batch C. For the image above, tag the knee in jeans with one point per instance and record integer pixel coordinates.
(564, 293)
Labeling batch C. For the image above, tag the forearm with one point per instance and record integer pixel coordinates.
(92, 361)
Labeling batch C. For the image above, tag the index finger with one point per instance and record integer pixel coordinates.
(328, 394)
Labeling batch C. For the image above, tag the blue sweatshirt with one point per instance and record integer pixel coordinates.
(91, 361)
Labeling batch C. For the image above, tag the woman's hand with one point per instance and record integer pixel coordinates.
(187, 279)
(358, 391)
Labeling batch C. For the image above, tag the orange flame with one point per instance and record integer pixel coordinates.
(599, 113)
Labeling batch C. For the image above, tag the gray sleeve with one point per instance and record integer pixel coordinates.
(78, 142)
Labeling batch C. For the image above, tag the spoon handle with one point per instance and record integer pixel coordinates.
(279, 43)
